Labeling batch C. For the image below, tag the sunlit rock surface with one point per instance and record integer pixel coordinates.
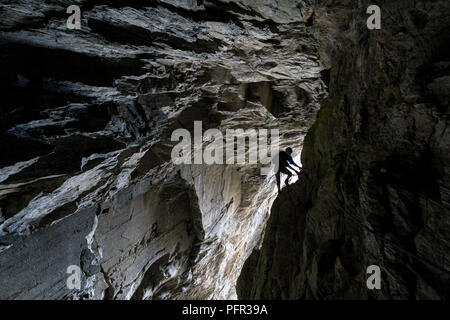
(86, 176)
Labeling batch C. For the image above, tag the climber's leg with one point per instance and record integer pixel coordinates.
(277, 175)
(288, 173)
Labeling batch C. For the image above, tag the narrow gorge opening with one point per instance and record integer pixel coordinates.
(94, 120)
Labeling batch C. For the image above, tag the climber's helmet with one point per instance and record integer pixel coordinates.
(289, 150)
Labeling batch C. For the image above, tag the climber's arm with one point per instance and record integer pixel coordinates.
(288, 166)
(293, 163)
(296, 165)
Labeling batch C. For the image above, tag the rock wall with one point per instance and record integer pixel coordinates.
(86, 177)
(376, 179)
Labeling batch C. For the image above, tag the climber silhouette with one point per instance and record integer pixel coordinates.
(285, 159)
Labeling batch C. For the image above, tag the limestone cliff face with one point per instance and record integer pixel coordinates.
(375, 188)
(86, 177)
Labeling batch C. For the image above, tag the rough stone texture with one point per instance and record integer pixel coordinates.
(376, 179)
(86, 120)
(86, 178)
(41, 259)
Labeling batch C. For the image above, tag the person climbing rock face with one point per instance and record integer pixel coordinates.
(285, 160)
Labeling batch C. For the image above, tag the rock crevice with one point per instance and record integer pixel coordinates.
(374, 189)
